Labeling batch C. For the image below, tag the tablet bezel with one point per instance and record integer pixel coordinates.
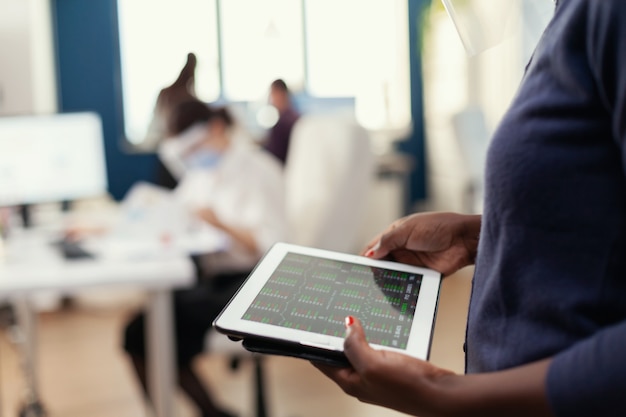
(230, 321)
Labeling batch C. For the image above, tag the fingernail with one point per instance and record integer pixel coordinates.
(349, 321)
(374, 248)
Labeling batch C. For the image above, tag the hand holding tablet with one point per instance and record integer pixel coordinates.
(296, 300)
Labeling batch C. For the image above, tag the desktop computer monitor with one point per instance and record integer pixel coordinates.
(51, 158)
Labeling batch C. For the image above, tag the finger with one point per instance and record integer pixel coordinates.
(374, 244)
(407, 235)
(373, 248)
(407, 257)
(355, 347)
(334, 372)
(387, 243)
(341, 376)
(391, 239)
(346, 378)
(370, 245)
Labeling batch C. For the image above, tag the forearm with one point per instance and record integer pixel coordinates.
(588, 379)
(515, 392)
(242, 236)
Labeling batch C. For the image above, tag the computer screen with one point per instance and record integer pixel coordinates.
(51, 158)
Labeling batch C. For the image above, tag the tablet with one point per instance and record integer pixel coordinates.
(296, 300)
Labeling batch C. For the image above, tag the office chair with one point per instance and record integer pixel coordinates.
(472, 137)
(327, 176)
(218, 343)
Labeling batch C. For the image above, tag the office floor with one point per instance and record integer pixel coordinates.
(84, 373)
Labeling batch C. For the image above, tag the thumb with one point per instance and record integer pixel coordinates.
(381, 248)
(394, 238)
(356, 348)
(373, 251)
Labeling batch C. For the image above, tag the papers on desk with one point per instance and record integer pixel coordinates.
(114, 248)
(152, 222)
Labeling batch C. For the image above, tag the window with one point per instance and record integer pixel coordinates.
(155, 38)
(324, 48)
(334, 47)
(261, 41)
(359, 48)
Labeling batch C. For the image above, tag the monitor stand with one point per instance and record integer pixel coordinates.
(25, 211)
(25, 215)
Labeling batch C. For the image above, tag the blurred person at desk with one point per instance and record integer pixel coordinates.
(277, 142)
(237, 189)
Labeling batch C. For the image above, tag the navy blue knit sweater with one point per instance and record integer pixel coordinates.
(550, 276)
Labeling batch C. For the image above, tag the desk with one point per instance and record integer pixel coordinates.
(32, 265)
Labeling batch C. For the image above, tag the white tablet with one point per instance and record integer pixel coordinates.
(296, 300)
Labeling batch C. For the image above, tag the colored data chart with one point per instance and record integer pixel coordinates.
(307, 293)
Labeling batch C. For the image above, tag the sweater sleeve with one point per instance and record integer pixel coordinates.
(589, 379)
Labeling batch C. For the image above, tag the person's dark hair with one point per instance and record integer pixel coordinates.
(280, 85)
(221, 113)
(186, 114)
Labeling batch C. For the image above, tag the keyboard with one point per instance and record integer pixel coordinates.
(71, 249)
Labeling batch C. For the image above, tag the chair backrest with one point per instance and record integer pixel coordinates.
(473, 139)
(327, 176)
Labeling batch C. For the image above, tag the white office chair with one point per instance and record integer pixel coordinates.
(327, 176)
(473, 138)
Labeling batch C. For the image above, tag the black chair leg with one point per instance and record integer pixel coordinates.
(261, 405)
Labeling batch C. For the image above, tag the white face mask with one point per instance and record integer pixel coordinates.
(483, 24)
(173, 152)
(203, 158)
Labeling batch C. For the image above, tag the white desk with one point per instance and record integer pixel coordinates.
(32, 265)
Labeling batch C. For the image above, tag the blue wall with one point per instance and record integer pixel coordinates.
(415, 145)
(89, 78)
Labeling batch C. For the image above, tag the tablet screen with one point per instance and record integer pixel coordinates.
(315, 295)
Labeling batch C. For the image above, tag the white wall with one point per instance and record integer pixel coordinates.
(27, 76)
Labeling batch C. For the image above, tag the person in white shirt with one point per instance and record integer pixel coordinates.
(237, 188)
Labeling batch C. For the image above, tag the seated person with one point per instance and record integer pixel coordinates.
(239, 189)
(277, 142)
